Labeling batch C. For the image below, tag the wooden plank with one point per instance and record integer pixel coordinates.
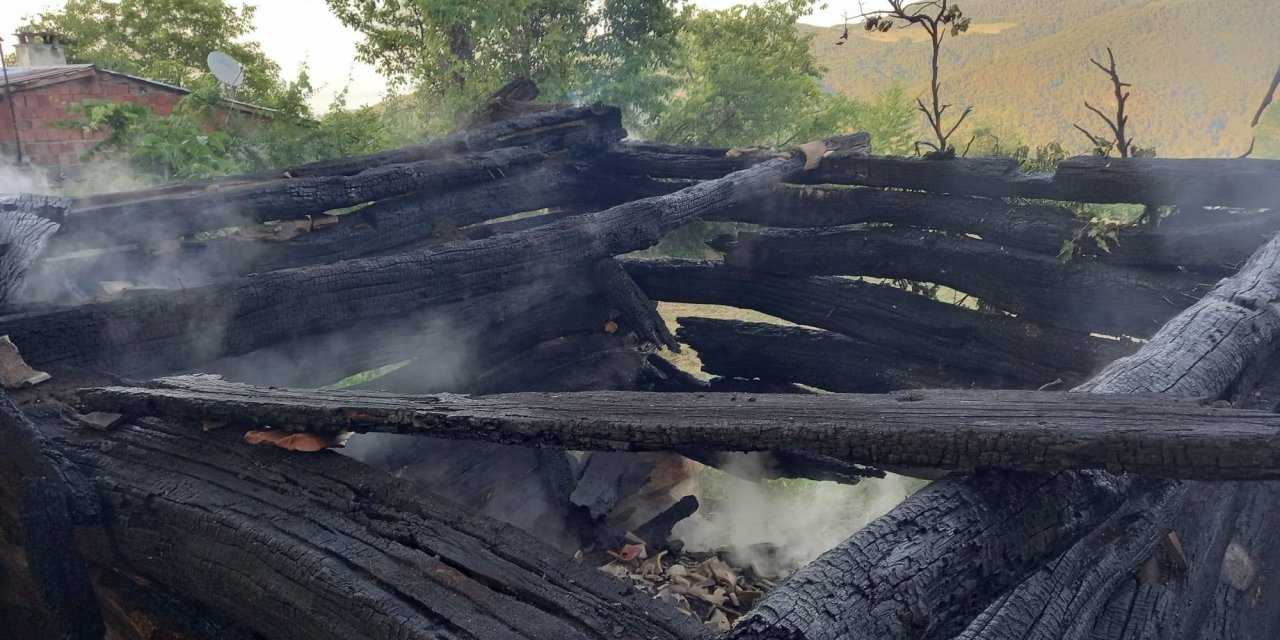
(936, 429)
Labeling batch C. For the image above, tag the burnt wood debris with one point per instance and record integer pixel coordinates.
(1101, 431)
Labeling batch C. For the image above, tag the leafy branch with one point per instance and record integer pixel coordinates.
(937, 18)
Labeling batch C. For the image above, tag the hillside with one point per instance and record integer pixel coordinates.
(1199, 67)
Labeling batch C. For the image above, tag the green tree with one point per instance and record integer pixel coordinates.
(891, 120)
(169, 40)
(746, 76)
(454, 52)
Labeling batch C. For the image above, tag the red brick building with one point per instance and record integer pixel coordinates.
(41, 87)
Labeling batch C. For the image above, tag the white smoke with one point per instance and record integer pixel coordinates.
(781, 525)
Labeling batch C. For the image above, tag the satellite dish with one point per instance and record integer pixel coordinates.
(226, 69)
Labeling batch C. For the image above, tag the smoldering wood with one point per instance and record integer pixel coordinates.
(1198, 182)
(963, 430)
(449, 347)
(1077, 295)
(53, 499)
(1201, 353)
(639, 313)
(189, 327)
(324, 547)
(995, 350)
(23, 236)
(152, 220)
(382, 228)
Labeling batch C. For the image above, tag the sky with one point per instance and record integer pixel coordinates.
(294, 32)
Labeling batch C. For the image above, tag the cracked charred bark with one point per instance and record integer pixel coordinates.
(980, 552)
(1149, 181)
(325, 548)
(396, 224)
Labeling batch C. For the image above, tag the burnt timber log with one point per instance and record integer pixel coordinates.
(151, 332)
(324, 547)
(1200, 182)
(660, 160)
(1077, 295)
(168, 217)
(1149, 181)
(638, 312)
(384, 227)
(1217, 248)
(962, 430)
(546, 132)
(780, 354)
(989, 535)
(449, 347)
(995, 350)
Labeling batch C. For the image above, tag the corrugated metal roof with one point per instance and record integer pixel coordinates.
(19, 77)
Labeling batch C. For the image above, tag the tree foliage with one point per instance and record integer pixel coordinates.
(746, 76)
(168, 41)
(456, 52)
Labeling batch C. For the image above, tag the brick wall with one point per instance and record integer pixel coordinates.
(39, 108)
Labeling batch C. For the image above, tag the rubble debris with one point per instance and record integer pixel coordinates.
(14, 372)
(101, 420)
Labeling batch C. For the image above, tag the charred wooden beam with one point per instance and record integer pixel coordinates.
(450, 347)
(1245, 183)
(152, 220)
(396, 224)
(1077, 295)
(324, 547)
(1219, 247)
(639, 313)
(870, 585)
(827, 360)
(175, 330)
(572, 126)
(586, 359)
(995, 350)
(660, 160)
(935, 429)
